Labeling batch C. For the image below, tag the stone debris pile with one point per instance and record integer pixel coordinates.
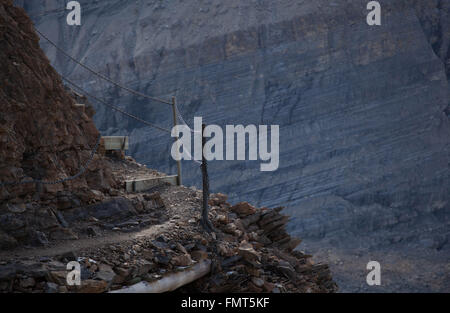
(250, 252)
(256, 254)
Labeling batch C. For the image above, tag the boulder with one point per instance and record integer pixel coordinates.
(105, 273)
(182, 260)
(92, 286)
(243, 209)
(248, 253)
(27, 282)
(199, 255)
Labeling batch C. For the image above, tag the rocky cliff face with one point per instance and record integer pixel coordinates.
(43, 135)
(364, 136)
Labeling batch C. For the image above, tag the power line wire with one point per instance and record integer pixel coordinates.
(114, 107)
(140, 94)
(83, 168)
(181, 119)
(47, 12)
(132, 116)
(120, 86)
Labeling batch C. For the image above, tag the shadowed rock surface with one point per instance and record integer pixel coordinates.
(43, 136)
(364, 142)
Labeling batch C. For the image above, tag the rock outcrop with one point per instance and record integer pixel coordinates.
(247, 253)
(44, 136)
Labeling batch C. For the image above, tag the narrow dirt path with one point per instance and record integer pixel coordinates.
(82, 244)
(177, 200)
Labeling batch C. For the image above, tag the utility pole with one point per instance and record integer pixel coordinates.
(205, 218)
(175, 123)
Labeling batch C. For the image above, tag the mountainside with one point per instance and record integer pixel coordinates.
(364, 135)
(44, 137)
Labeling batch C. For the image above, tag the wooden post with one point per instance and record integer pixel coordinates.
(175, 123)
(205, 218)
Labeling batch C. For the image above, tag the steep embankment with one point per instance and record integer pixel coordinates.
(364, 137)
(43, 136)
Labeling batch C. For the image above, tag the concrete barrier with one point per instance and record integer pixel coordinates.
(148, 183)
(116, 143)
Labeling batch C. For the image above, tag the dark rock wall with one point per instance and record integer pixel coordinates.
(434, 17)
(43, 135)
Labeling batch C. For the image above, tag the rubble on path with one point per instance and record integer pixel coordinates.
(251, 252)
